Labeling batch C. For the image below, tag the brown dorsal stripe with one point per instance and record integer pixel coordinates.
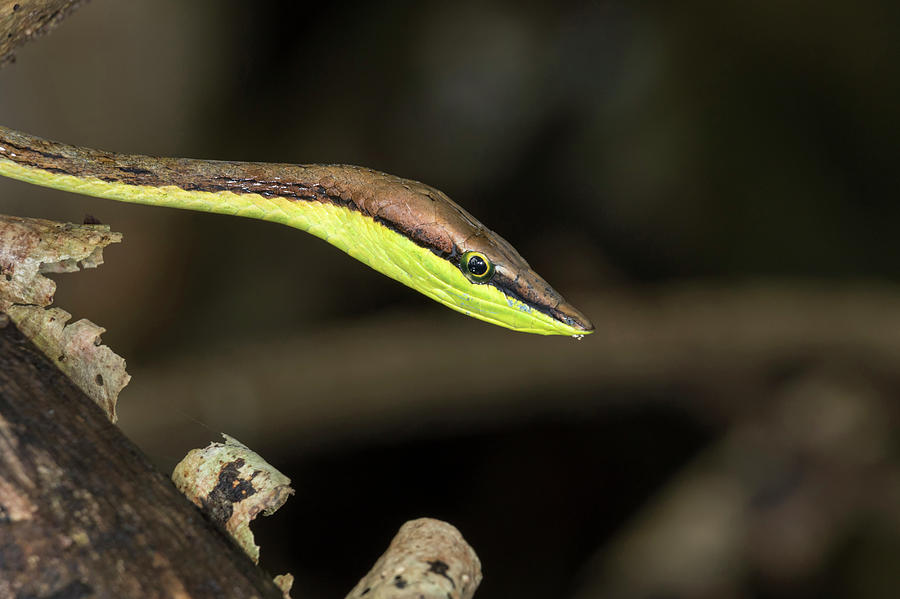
(396, 203)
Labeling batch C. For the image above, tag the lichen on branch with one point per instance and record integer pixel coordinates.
(427, 559)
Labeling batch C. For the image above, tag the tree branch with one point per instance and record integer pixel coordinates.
(83, 512)
(24, 20)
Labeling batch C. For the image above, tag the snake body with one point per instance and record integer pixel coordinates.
(404, 229)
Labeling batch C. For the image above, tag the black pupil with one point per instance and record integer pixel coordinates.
(477, 266)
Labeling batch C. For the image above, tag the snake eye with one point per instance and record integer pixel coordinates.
(476, 267)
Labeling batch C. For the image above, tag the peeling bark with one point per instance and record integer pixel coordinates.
(233, 485)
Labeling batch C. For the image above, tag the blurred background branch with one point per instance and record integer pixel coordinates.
(731, 349)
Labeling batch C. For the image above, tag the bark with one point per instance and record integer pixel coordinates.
(83, 513)
(23, 20)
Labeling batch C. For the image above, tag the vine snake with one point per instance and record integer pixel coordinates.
(404, 229)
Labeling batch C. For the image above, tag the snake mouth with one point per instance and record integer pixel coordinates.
(566, 313)
(529, 288)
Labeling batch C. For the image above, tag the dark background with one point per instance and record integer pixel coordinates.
(714, 183)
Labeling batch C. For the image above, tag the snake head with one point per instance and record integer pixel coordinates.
(486, 258)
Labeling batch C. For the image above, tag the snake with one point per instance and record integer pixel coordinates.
(404, 229)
